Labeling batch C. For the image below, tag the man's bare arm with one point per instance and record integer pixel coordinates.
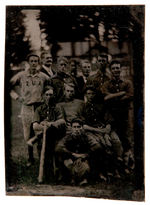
(114, 95)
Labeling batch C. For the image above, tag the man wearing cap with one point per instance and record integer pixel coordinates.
(32, 83)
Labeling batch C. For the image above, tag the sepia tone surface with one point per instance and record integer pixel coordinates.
(78, 32)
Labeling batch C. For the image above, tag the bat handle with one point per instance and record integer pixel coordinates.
(42, 157)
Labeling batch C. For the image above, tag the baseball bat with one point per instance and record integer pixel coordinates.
(42, 157)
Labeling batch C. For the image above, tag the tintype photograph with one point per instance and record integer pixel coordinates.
(74, 105)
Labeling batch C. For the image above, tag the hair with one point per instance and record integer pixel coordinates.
(89, 87)
(77, 120)
(69, 83)
(72, 60)
(48, 87)
(33, 54)
(45, 52)
(85, 61)
(114, 62)
(103, 55)
(62, 58)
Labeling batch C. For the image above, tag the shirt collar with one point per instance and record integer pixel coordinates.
(114, 80)
(85, 79)
(29, 74)
(49, 70)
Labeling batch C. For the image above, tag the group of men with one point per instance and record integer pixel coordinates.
(83, 117)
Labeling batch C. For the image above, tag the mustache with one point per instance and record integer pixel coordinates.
(49, 61)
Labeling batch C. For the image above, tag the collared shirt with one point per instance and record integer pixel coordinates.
(58, 82)
(115, 86)
(48, 71)
(77, 143)
(94, 114)
(31, 86)
(49, 113)
(85, 79)
(97, 80)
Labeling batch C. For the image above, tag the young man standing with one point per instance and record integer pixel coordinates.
(118, 96)
(98, 79)
(32, 83)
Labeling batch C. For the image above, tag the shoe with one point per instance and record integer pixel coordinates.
(120, 159)
(102, 177)
(110, 174)
(127, 171)
(72, 182)
(83, 182)
(29, 163)
(117, 175)
(29, 143)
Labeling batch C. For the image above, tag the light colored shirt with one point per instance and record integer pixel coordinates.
(70, 109)
(31, 86)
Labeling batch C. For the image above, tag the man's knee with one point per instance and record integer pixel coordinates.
(26, 133)
(114, 137)
(96, 147)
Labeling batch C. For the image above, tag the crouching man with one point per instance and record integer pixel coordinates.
(74, 151)
(49, 123)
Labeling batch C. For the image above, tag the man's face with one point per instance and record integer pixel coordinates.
(90, 94)
(69, 92)
(48, 95)
(72, 65)
(33, 62)
(115, 70)
(47, 60)
(86, 69)
(76, 127)
(102, 61)
(62, 67)
(73, 68)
